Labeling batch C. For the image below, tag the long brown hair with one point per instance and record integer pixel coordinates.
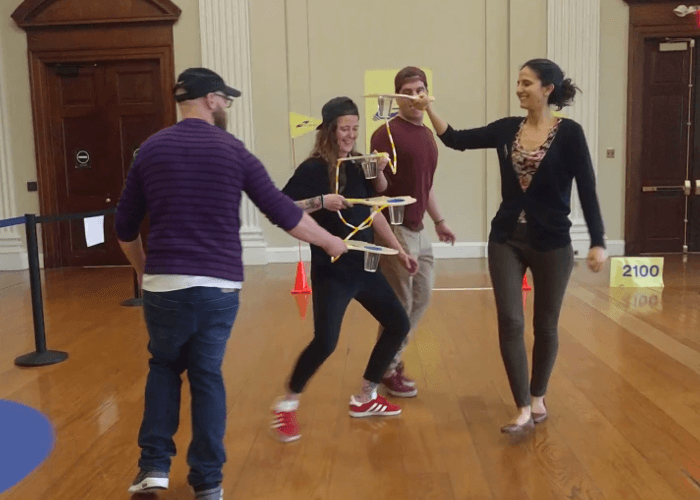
(326, 149)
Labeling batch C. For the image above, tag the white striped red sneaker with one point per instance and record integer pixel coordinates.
(376, 406)
(285, 426)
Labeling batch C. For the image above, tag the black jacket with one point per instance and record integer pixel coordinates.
(547, 201)
(310, 179)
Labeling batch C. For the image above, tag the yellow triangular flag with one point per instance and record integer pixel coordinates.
(300, 124)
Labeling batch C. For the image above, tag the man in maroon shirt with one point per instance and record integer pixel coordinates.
(416, 161)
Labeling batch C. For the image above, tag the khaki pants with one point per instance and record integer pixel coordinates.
(414, 292)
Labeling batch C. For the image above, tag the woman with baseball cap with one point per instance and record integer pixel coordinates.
(336, 284)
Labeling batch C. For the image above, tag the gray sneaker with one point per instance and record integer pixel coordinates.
(212, 494)
(148, 481)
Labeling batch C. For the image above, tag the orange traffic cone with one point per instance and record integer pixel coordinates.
(526, 287)
(302, 303)
(301, 286)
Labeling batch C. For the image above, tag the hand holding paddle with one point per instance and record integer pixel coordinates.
(383, 160)
(335, 247)
(335, 202)
(422, 102)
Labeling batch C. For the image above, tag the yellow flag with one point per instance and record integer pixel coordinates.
(300, 124)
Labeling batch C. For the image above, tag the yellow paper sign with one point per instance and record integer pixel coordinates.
(647, 272)
(301, 124)
(382, 81)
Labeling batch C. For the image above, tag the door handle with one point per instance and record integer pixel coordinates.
(686, 188)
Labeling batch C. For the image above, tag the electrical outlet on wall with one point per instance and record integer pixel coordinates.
(610, 153)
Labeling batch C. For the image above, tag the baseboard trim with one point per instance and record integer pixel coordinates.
(460, 250)
(14, 261)
(255, 254)
(281, 255)
(261, 255)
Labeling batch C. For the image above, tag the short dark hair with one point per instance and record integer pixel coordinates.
(406, 75)
(550, 73)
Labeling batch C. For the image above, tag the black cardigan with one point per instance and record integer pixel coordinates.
(547, 201)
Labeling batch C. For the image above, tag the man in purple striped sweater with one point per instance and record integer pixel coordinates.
(189, 179)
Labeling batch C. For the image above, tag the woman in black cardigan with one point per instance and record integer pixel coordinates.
(539, 156)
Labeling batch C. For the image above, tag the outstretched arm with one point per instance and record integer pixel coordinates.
(332, 202)
(475, 138)
(439, 124)
(310, 205)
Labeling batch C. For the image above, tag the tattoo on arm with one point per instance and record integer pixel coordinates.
(309, 205)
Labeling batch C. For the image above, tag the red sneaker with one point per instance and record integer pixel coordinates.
(376, 406)
(397, 387)
(285, 427)
(407, 381)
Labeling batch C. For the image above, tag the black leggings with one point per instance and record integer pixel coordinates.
(332, 293)
(550, 275)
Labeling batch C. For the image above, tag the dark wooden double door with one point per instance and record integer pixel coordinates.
(669, 199)
(100, 114)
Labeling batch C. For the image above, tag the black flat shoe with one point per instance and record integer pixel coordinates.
(518, 429)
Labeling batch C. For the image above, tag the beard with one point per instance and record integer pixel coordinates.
(220, 119)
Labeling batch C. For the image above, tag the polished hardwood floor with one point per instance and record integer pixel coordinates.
(624, 400)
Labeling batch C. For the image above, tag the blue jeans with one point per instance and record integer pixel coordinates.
(188, 330)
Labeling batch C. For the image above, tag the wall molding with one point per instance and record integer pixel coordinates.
(253, 256)
(225, 36)
(13, 256)
(573, 42)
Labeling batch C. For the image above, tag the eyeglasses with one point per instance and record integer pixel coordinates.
(229, 100)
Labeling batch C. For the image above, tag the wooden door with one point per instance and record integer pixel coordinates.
(694, 172)
(666, 156)
(100, 114)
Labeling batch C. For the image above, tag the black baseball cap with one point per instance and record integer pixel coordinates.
(198, 82)
(337, 107)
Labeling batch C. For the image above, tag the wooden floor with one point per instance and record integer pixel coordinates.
(624, 398)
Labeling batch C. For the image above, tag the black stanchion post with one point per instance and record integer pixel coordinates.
(41, 357)
(137, 300)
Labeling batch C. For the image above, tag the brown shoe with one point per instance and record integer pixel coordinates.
(518, 429)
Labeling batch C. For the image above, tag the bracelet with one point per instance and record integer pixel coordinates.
(438, 222)
(322, 201)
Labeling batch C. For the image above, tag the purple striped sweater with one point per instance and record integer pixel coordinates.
(189, 179)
